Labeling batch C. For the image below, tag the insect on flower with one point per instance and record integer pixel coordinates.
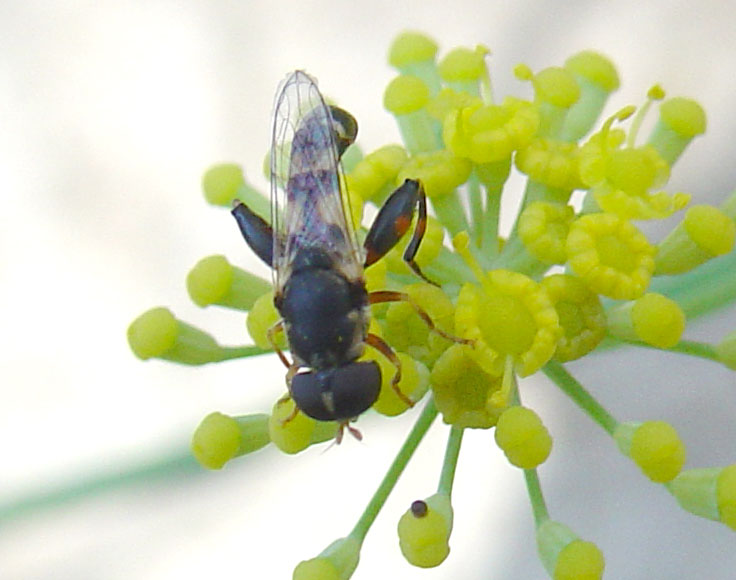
(317, 262)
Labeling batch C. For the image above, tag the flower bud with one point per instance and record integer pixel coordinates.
(654, 446)
(290, 431)
(523, 438)
(406, 98)
(653, 319)
(704, 233)
(726, 351)
(680, 121)
(565, 556)
(213, 280)
(708, 493)
(220, 438)
(337, 562)
(225, 182)
(424, 531)
(158, 334)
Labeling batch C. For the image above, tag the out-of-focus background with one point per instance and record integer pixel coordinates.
(109, 114)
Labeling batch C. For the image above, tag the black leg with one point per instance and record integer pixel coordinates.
(393, 221)
(257, 233)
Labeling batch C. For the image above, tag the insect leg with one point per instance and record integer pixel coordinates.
(341, 426)
(393, 221)
(293, 368)
(257, 233)
(380, 345)
(391, 296)
(271, 336)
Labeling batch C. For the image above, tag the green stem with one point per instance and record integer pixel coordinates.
(476, 209)
(689, 347)
(231, 352)
(534, 191)
(573, 389)
(452, 452)
(178, 463)
(534, 489)
(450, 212)
(489, 239)
(702, 290)
(392, 475)
(636, 123)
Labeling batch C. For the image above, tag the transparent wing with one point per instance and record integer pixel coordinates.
(309, 208)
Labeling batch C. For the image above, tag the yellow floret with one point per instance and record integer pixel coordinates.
(508, 314)
(439, 171)
(462, 390)
(543, 227)
(407, 332)
(449, 99)
(414, 382)
(374, 176)
(581, 315)
(553, 163)
(611, 255)
(487, 133)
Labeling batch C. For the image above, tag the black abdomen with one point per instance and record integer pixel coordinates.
(324, 316)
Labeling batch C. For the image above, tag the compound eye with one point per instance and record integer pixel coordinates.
(338, 393)
(345, 129)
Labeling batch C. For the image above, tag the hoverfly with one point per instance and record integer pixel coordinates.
(317, 262)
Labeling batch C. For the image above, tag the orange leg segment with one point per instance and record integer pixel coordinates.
(381, 346)
(391, 296)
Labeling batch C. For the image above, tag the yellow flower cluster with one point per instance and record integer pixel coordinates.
(573, 270)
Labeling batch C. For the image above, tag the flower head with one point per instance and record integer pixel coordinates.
(567, 279)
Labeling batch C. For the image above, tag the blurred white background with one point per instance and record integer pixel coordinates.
(109, 114)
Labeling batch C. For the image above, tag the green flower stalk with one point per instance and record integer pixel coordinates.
(569, 279)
